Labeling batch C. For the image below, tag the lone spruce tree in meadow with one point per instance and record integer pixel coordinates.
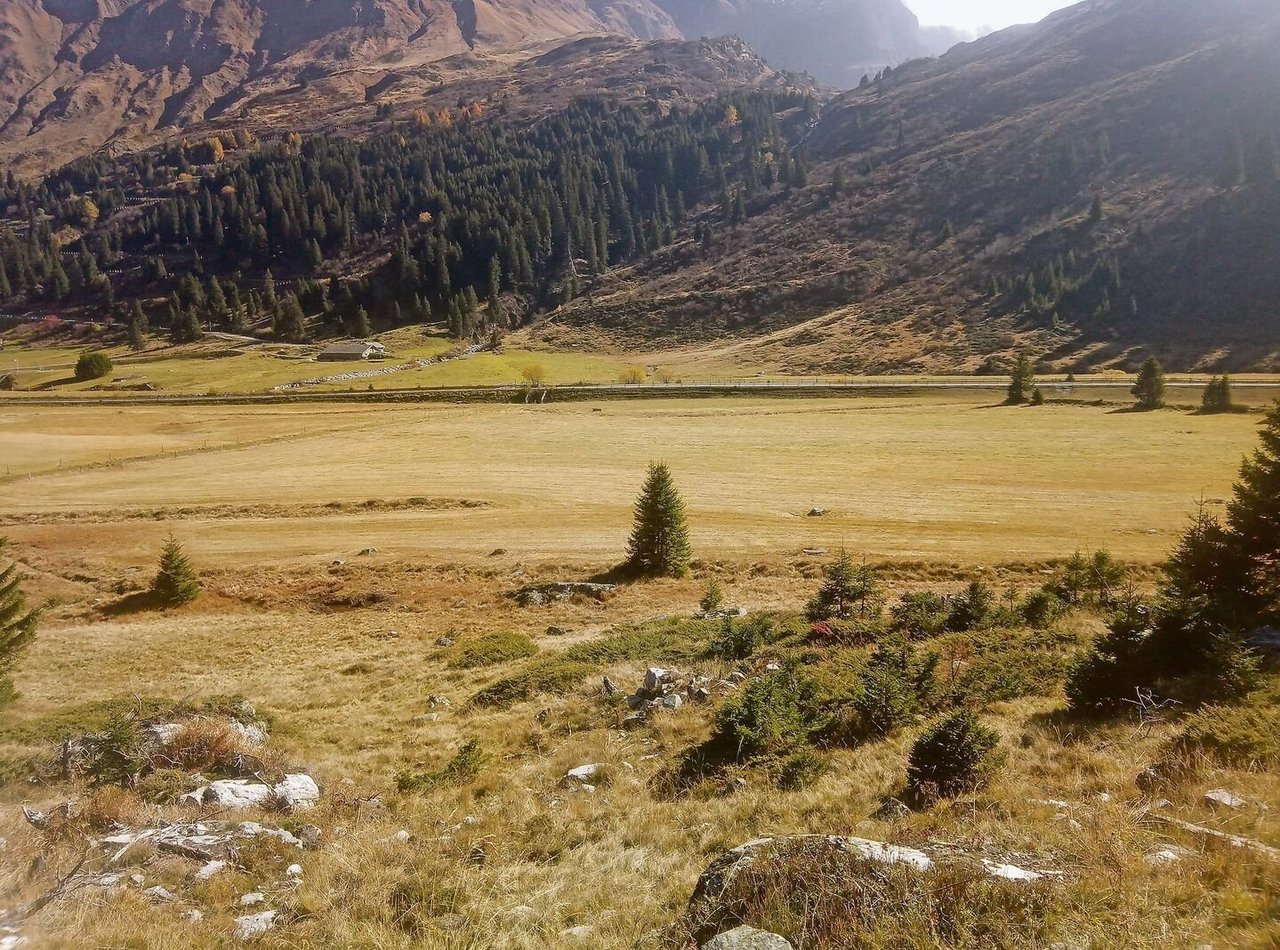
(1149, 389)
(660, 539)
(1022, 381)
(17, 626)
(176, 582)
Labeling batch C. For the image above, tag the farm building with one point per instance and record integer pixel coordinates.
(356, 350)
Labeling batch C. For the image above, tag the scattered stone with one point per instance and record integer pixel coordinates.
(310, 835)
(554, 631)
(210, 869)
(581, 932)
(293, 871)
(401, 837)
(581, 775)
(1166, 855)
(657, 679)
(892, 810)
(1064, 818)
(444, 641)
(109, 880)
(255, 925)
(721, 873)
(497, 552)
(1222, 798)
(252, 899)
(747, 938)
(772, 666)
(137, 879)
(534, 594)
(160, 895)
(337, 562)
(367, 551)
(673, 701)
(1236, 841)
(254, 733)
(36, 819)
(438, 701)
(815, 552)
(194, 915)
(610, 688)
(817, 512)
(736, 677)
(295, 792)
(635, 720)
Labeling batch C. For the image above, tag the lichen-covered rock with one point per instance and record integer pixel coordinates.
(747, 938)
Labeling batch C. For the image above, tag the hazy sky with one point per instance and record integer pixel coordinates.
(976, 14)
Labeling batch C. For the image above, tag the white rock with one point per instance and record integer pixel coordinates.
(252, 732)
(194, 915)
(297, 791)
(1166, 855)
(581, 932)
(137, 879)
(109, 880)
(1224, 798)
(209, 870)
(672, 701)
(162, 733)
(401, 837)
(1011, 872)
(255, 925)
(160, 895)
(252, 899)
(294, 870)
(747, 938)
(655, 677)
(582, 775)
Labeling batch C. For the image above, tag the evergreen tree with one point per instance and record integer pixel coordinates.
(1022, 381)
(292, 324)
(137, 327)
(1253, 520)
(176, 582)
(847, 590)
(359, 327)
(1217, 396)
(17, 625)
(659, 545)
(1149, 389)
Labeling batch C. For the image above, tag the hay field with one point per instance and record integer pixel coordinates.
(949, 477)
(345, 657)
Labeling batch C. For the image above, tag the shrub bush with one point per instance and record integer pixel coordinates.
(736, 641)
(1106, 675)
(1042, 608)
(1241, 737)
(972, 609)
(492, 648)
(800, 770)
(92, 366)
(775, 715)
(956, 755)
(895, 685)
(556, 677)
(462, 768)
(920, 614)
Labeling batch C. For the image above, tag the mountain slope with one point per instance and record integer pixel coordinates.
(78, 74)
(835, 40)
(967, 175)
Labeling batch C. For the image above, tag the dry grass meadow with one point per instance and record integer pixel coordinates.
(340, 649)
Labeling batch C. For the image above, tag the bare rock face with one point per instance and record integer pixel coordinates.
(77, 74)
